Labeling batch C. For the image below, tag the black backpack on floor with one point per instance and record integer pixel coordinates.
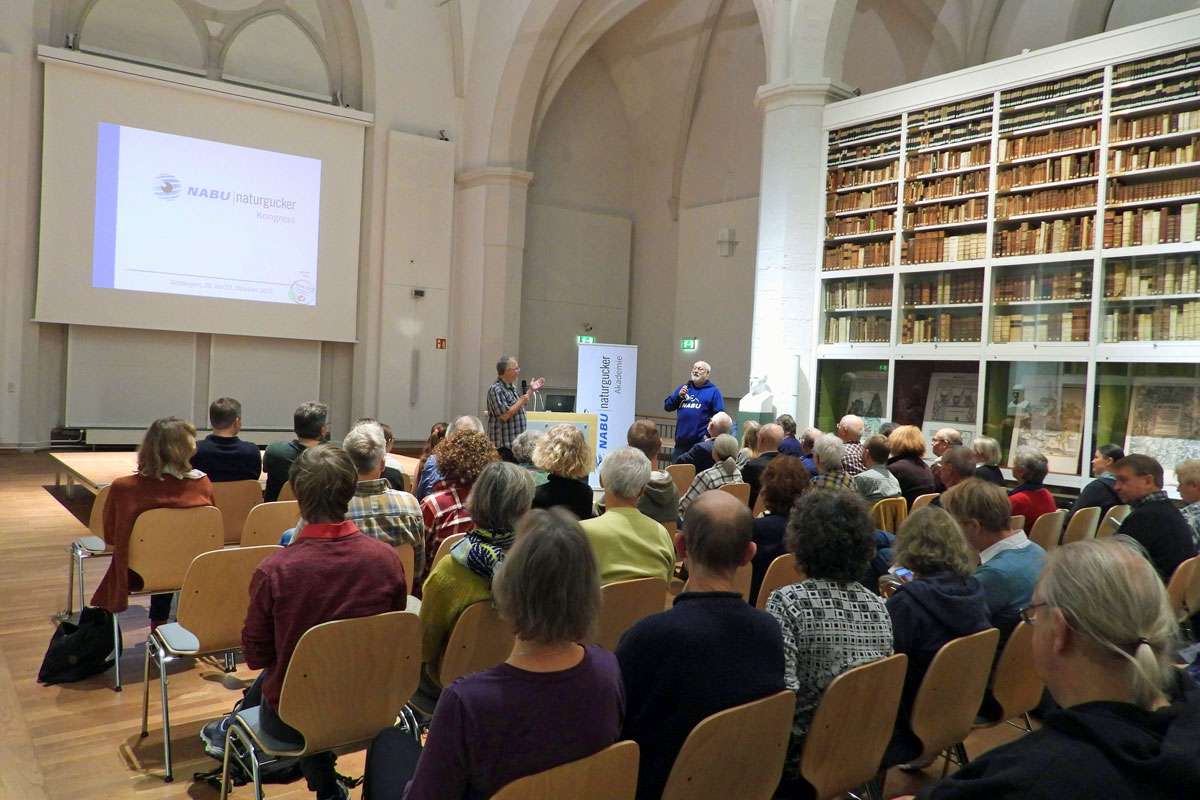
(80, 650)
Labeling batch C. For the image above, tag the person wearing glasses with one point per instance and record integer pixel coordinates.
(1129, 722)
(696, 401)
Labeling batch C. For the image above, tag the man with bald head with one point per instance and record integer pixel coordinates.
(850, 430)
(710, 652)
(700, 455)
(769, 437)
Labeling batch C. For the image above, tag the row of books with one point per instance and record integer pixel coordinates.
(1078, 196)
(1067, 282)
(1138, 226)
(860, 328)
(1043, 115)
(1127, 159)
(857, 176)
(1129, 192)
(1059, 168)
(945, 187)
(1156, 65)
(874, 222)
(1048, 142)
(874, 128)
(941, 326)
(971, 129)
(949, 111)
(929, 247)
(1150, 276)
(1123, 128)
(857, 255)
(859, 152)
(1068, 325)
(1145, 94)
(961, 286)
(1049, 236)
(942, 214)
(978, 155)
(1050, 89)
(1167, 322)
(858, 293)
(867, 198)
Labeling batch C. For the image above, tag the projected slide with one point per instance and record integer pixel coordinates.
(195, 217)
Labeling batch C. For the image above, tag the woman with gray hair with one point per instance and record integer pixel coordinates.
(1030, 498)
(724, 470)
(522, 450)
(1128, 727)
(828, 452)
(987, 459)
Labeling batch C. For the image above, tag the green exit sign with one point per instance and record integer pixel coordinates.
(585, 340)
(689, 345)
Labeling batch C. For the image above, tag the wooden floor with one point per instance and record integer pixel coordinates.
(80, 741)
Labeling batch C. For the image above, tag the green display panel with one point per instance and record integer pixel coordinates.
(1040, 404)
(851, 386)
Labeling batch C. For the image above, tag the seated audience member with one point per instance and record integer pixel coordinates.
(885, 430)
(987, 459)
(553, 701)
(500, 496)
(724, 471)
(430, 476)
(782, 484)
(830, 622)
(627, 543)
(943, 440)
(1009, 563)
(807, 442)
(1100, 493)
(749, 443)
(221, 455)
(460, 460)
(710, 652)
(394, 476)
(660, 498)
(828, 452)
(769, 436)
(789, 445)
(310, 424)
(1188, 475)
(907, 447)
(850, 431)
(957, 464)
(164, 479)
(331, 572)
(876, 482)
(522, 450)
(427, 472)
(1030, 498)
(567, 459)
(381, 512)
(1128, 727)
(942, 602)
(700, 455)
(1153, 522)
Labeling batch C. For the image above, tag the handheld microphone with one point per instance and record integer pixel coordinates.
(524, 386)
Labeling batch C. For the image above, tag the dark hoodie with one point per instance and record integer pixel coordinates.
(1113, 751)
(926, 614)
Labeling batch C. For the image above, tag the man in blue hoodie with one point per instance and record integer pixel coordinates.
(696, 401)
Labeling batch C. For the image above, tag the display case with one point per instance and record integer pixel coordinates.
(936, 394)
(851, 386)
(1039, 404)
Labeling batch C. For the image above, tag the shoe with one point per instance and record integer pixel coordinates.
(342, 794)
(212, 735)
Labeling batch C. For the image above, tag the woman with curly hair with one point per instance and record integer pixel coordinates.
(460, 459)
(566, 458)
(783, 481)
(830, 622)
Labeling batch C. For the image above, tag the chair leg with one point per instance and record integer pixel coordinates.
(116, 652)
(225, 763)
(166, 713)
(1028, 723)
(961, 750)
(945, 761)
(79, 576)
(146, 688)
(71, 579)
(230, 661)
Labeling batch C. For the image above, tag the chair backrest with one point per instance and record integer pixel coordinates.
(96, 516)
(1016, 686)
(286, 492)
(1016, 522)
(216, 595)
(781, 572)
(266, 522)
(889, 513)
(951, 691)
(625, 602)
(852, 726)
(682, 475)
(479, 640)
(739, 490)
(610, 774)
(742, 579)
(444, 548)
(349, 678)
(1048, 528)
(1083, 525)
(236, 499)
(164, 542)
(1112, 521)
(760, 506)
(923, 500)
(756, 732)
(1183, 589)
(408, 558)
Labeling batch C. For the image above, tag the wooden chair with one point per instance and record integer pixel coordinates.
(889, 513)
(444, 548)
(212, 608)
(852, 727)
(739, 490)
(479, 640)
(780, 572)
(760, 506)
(1183, 590)
(923, 500)
(624, 603)
(90, 546)
(236, 499)
(610, 774)
(1047, 530)
(737, 752)
(345, 683)
(286, 492)
(1112, 521)
(1016, 523)
(266, 522)
(951, 692)
(1082, 525)
(682, 475)
(1016, 688)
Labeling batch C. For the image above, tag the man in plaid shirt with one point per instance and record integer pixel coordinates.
(828, 452)
(725, 470)
(506, 407)
(378, 510)
(850, 431)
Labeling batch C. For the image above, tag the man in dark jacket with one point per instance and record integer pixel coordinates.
(769, 437)
(701, 454)
(221, 455)
(1155, 523)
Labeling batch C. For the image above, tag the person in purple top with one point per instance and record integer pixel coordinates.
(696, 401)
(551, 702)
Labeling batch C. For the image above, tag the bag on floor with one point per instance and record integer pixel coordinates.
(80, 650)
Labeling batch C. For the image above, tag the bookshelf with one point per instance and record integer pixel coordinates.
(1040, 218)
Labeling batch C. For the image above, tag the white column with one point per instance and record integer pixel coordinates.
(789, 237)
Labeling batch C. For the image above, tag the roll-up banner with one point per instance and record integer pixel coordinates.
(607, 387)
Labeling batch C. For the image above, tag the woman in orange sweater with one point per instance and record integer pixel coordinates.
(164, 479)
